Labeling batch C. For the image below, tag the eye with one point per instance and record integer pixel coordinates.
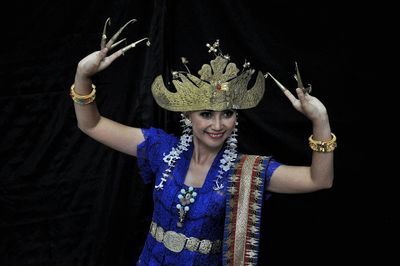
(228, 113)
(206, 114)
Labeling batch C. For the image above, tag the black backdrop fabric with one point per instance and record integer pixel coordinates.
(67, 200)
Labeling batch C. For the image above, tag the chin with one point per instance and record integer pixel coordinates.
(215, 142)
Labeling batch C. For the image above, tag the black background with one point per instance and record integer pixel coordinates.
(67, 200)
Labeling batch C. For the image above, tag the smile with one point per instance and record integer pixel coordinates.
(216, 135)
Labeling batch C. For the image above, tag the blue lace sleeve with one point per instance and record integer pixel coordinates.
(272, 165)
(151, 151)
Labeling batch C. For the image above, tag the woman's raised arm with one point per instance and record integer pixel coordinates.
(113, 134)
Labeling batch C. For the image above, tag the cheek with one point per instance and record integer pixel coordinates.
(231, 124)
(198, 126)
(229, 127)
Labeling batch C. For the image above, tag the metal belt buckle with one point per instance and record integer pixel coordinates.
(153, 228)
(192, 244)
(205, 246)
(216, 246)
(159, 234)
(174, 241)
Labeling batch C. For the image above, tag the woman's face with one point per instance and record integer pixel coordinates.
(212, 128)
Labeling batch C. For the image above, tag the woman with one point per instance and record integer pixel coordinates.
(207, 197)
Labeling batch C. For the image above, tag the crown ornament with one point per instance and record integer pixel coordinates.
(219, 86)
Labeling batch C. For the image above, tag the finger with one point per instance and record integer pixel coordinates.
(104, 35)
(308, 89)
(109, 59)
(283, 88)
(102, 54)
(132, 45)
(298, 77)
(106, 61)
(117, 43)
(302, 96)
(116, 35)
(290, 96)
(307, 95)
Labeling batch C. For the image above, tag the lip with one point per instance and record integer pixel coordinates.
(215, 135)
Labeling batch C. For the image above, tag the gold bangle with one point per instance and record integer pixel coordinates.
(323, 146)
(83, 99)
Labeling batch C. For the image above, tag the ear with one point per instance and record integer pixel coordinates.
(186, 114)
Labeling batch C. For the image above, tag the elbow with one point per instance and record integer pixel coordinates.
(322, 179)
(326, 184)
(85, 128)
(82, 127)
(329, 184)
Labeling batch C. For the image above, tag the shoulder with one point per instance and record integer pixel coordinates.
(265, 162)
(157, 134)
(156, 141)
(254, 157)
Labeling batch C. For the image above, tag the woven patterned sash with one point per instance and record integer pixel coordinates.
(243, 211)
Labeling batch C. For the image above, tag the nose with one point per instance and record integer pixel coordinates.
(217, 124)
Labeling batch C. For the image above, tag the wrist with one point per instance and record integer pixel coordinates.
(82, 84)
(322, 129)
(322, 120)
(81, 77)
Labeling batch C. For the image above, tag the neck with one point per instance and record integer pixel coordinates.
(203, 154)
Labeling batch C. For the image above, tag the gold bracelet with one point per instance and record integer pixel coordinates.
(83, 99)
(323, 146)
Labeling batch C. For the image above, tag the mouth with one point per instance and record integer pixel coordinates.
(215, 135)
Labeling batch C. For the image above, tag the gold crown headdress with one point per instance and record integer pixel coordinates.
(218, 88)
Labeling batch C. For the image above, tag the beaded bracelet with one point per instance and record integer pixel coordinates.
(323, 146)
(83, 99)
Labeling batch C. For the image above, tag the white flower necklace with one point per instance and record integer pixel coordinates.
(228, 158)
(226, 162)
(174, 154)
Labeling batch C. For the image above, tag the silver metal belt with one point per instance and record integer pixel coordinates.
(176, 242)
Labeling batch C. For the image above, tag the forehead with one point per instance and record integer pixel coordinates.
(212, 111)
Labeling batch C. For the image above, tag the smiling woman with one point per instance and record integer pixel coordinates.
(211, 128)
(207, 196)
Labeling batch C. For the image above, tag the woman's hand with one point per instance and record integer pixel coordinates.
(306, 104)
(96, 62)
(99, 60)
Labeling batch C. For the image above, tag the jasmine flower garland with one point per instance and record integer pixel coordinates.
(226, 162)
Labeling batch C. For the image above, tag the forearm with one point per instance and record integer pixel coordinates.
(87, 115)
(322, 162)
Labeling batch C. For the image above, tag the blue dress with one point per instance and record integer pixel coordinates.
(204, 220)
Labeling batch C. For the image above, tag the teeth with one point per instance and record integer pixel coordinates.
(215, 135)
